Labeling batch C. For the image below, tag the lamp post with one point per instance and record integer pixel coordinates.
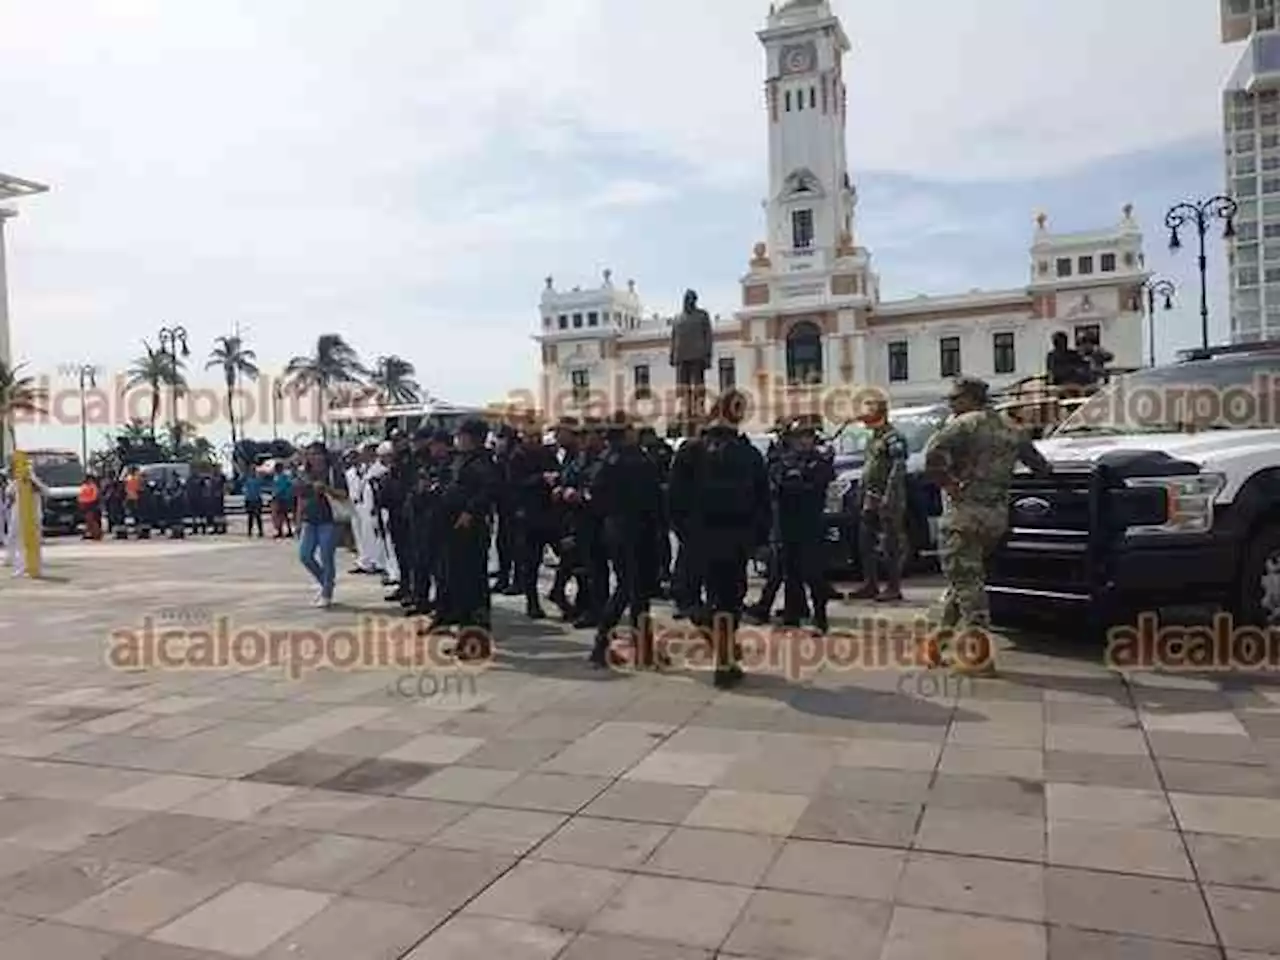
(171, 340)
(277, 399)
(88, 378)
(1198, 215)
(1153, 288)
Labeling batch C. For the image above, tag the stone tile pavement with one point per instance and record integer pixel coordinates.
(539, 810)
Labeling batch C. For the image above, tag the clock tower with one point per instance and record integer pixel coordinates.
(810, 289)
(811, 198)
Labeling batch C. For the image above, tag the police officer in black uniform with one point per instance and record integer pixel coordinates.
(591, 554)
(505, 536)
(721, 495)
(627, 496)
(564, 491)
(432, 469)
(660, 452)
(801, 477)
(532, 471)
(465, 507)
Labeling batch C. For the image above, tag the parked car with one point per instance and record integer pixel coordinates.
(62, 472)
(924, 502)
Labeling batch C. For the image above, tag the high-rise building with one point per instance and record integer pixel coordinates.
(1251, 124)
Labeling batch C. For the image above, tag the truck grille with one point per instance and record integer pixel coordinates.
(1049, 548)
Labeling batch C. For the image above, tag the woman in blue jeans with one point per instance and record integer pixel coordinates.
(315, 496)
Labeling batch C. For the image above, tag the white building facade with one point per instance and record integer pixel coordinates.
(1251, 130)
(811, 323)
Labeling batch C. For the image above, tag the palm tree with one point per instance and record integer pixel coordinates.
(393, 378)
(236, 361)
(333, 363)
(156, 369)
(20, 395)
(134, 432)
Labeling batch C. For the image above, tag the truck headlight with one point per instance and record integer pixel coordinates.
(836, 491)
(1189, 501)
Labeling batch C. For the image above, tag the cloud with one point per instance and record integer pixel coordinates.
(408, 175)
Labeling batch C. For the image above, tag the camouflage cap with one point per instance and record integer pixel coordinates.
(972, 387)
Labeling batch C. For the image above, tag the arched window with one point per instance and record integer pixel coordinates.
(804, 354)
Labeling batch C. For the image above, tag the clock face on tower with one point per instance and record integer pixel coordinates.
(797, 58)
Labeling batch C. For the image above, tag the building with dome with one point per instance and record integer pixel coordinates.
(810, 322)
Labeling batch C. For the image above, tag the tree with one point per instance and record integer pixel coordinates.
(156, 369)
(19, 396)
(236, 361)
(333, 363)
(393, 379)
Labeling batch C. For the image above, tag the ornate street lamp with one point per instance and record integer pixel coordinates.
(88, 380)
(173, 339)
(1153, 288)
(1199, 215)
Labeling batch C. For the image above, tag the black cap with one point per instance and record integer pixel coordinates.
(424, 433)
(439, 436)
(476, 429)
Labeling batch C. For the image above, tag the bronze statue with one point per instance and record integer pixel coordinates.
(691, 340)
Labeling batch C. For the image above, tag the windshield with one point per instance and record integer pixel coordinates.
(1230, 393)
(58, 470)
(916, 429)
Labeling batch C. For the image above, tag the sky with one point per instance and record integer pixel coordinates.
(406, 172)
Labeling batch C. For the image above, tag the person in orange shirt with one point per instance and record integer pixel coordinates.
(133, 495)
(90, 500)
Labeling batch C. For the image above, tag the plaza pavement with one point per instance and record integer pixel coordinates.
(1057, 811)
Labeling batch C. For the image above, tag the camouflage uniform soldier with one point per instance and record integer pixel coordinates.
(972, 458)
(884, 507)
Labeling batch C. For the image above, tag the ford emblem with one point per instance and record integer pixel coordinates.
(1033, 506)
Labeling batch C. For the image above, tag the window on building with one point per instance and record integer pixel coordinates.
(577, 321)
(1064, 266)
(1246, 165)
(728, 373)
(1091, 330)
(1271, 275)
(949, 357)
(786, 98)
(1242, 121)
(1268, 118)
(593, 319)
(1246, 276)
(1271, 185)
(1247, 230)
(1108, 263)
(1086, 265)
(563, 321)
(1245, 187)
(1271, 252)
(1002, 352)
(1244, 142)
(802, 229)
(813, 98)
(804, 354)
(899, 364)
(581, 381)
(800, 99)
(643, 389)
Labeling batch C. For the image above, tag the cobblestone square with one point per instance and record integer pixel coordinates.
(540, 809)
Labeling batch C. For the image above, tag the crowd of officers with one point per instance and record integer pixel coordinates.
(605, 498)
(166, 503)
